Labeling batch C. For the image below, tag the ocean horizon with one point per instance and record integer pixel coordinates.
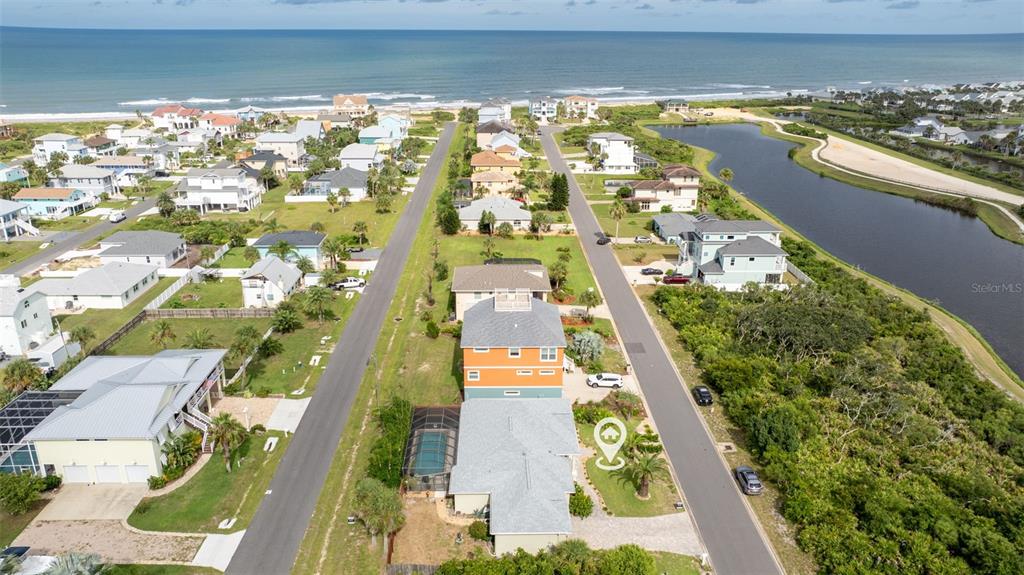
(102, 72)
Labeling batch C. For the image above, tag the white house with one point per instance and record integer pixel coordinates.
(129, 137)
(175, 117)
(505, 210)
(162, 249)
(355, 105)
(504, 141)
(288, 144)
(90, 179)
(495, 109)
(47, 145)
(218, 189)
(124, 408)
(616, 150)
(361, 157)
(516, 459)
(112, 286)
(317, 188)
(15, 220)
(310, 129)
(269, 282)
(544, 109)
(487, 131)
(221, 124)
(581, 107)
(728, 254)
(127, 169)
(26, 327)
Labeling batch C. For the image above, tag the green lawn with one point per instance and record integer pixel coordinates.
(69, 224)
(630, 225)
(592, 185)
(222, 331)
(12, 252)
(159, 570)
(627, 253)
(301, 216)
(12, 525)
(619, 496)
(672, 564)
(15, 147)
(464, 250)
(105, 322)
(233, 258)
(214, 494)
(223, 292)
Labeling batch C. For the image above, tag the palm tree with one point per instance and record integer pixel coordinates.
(165, 204)
(35, 173)
(345, 194)
(360, 228)
(305, 265)
(590, 299)
(316, 227)
(82, 335)
(251, 254)
(334, 248)
(725, 174)
(206, 253)
(271, 225)
(294, 183)
(10, 565)
(21, 374)
(162, 333)
(328, 276)
(76, 564)
(142, 184)
(371, 182)
(282, 249)
(332, 200)
(318, 302)
(267, 175)
(228, 433)
(641, 470)
(617, 212)
(199, 339)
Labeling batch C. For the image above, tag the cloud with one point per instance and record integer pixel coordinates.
(645, 7)
(903, 5)
(504, 13)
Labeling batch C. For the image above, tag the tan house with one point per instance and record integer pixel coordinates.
(493, 183)
(581, 107)
(489, 160)
(473, 284)
(682, 175)
(486, 131)
(355, 105)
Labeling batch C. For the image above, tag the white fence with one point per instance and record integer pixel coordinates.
(189, 277)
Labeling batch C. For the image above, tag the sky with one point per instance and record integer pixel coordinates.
(795, 16)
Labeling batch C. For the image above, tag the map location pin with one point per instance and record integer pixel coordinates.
(610, 434)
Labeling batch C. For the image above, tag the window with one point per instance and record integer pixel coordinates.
(26, 304)
(472, 376)
(511, 393)
(732, 261)
(515, 352)
(549, 354)
(750, 259)
(524, 372)
(35, 316)
(481, 349)
(547, 372)
(24, 323)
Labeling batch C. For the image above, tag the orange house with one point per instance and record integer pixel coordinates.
(513, 345)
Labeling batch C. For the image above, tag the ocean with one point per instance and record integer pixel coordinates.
(103, 72)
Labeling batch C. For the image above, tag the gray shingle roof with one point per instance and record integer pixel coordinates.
(540, 326)
(343, 178)
(358, 152)
(503, 209)
(488, 278)
(113, 278)
(518, 451)
(144, 243)
(127, 397)
(492, 127)
(752, 246)
(273, 269)
(674, 224)
(735, 226)
(712, 268)
(295, 238)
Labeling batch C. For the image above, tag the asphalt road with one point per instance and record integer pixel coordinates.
(729, 531)
(272, 541)
(75, 240)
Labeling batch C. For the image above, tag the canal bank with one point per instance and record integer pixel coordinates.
(938, 254)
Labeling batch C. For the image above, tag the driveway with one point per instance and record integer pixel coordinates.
(109, 539)
(87, 502)
(575, 388)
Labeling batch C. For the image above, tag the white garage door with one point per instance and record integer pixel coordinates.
(137, 473)
(108, 473)
(76, 474)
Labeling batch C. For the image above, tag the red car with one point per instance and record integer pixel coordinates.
(674, 279)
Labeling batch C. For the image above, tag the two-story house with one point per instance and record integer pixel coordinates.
(676, 191)
(728, 254)
(26, 326)
(355, 105)
(218, 189)
(495, 109)
(544, 109)
(269, 282)
(127, 169)
(361, 157)
(15, 220)
(486, 131)
(47, 145)
(302, 244)
(288, 144)
(222, 124)
(92, 180)
(317, 188)
(513, 345)
(175, 117)
(12, 173)
(615, 150)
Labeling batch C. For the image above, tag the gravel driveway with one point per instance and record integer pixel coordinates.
(110, 540)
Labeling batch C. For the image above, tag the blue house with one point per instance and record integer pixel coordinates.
(373, 134)
(303, 244)
(397, 126)
(53, 203)
(12, 173)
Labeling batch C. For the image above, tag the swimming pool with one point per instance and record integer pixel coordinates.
(430, 455)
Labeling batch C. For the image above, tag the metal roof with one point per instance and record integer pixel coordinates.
(141, 243)
(113, 278)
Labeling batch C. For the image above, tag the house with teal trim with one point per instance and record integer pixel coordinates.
(397, 126)
(14, 220)
(304, 244)
(53, 203)
(373, 135)
(12, 173)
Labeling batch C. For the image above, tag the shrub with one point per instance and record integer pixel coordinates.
(258, 428)
(262, 392)
(432, 330)
(18, 491)
(478, 530)
(155, 482)
(590, 413)
(580, 504)
(51, 482)
(586, 346)
(388, 452)
(172, 473)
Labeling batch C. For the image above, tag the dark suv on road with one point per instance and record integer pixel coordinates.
(702, 395)
(750, 483)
